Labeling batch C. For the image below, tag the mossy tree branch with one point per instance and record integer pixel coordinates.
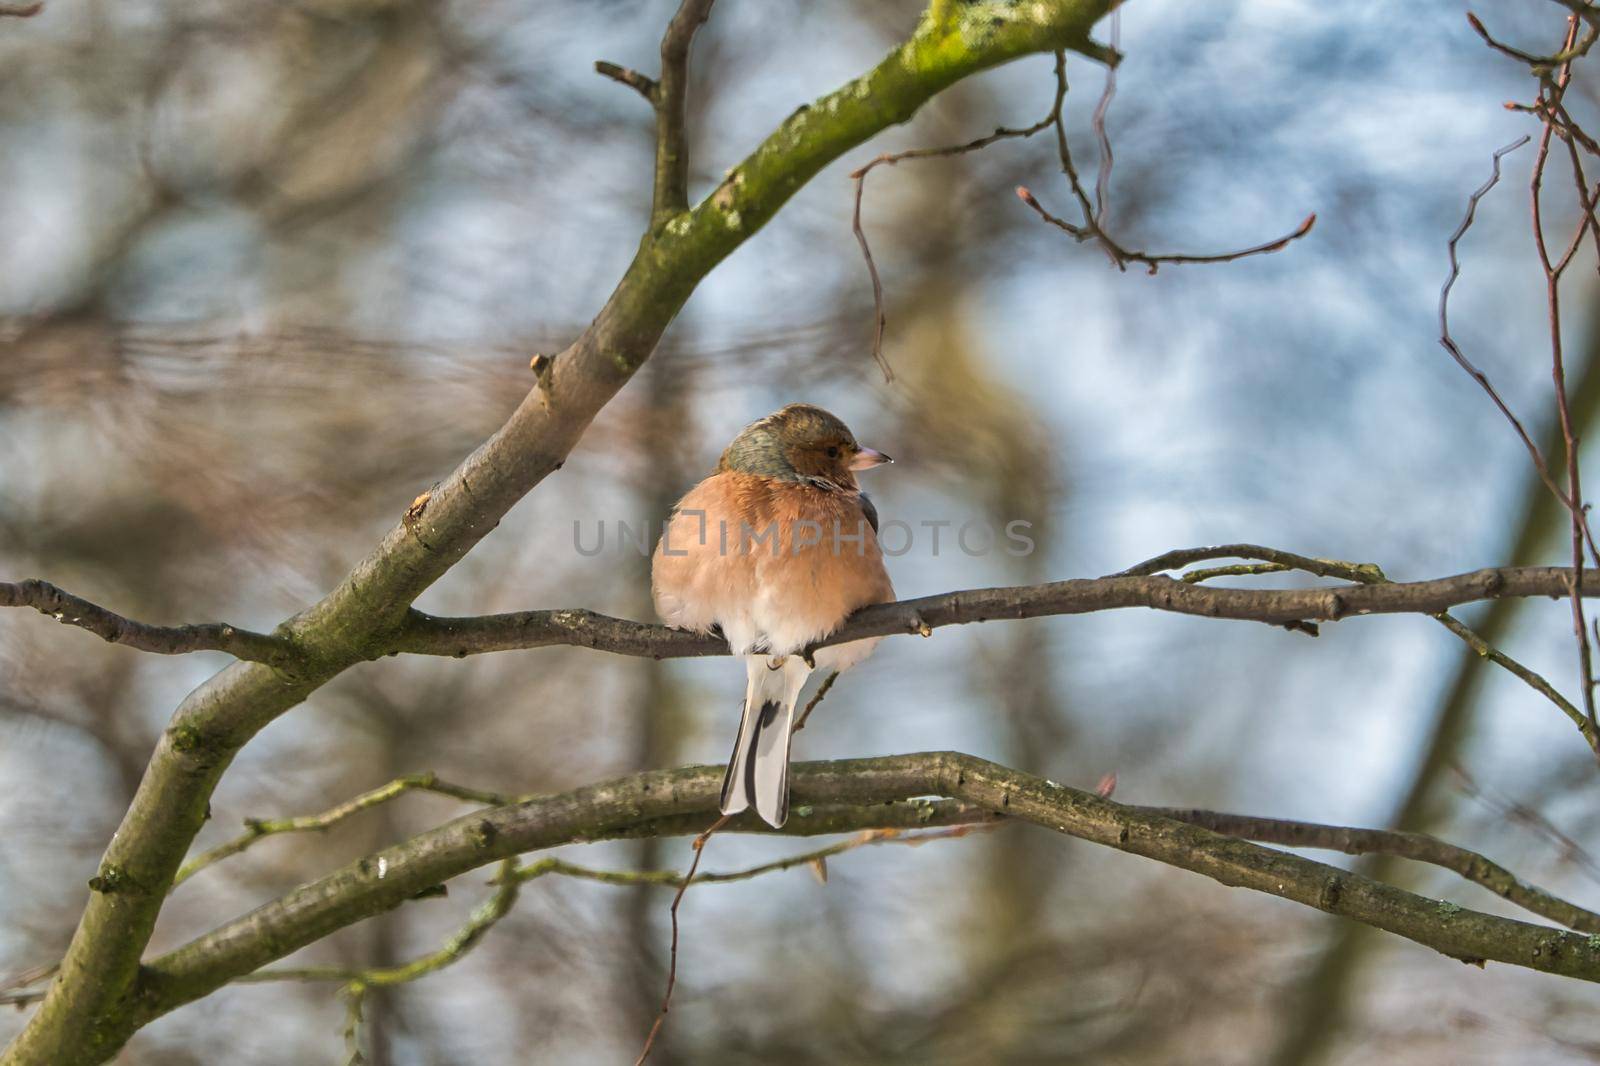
(94, 1004)
(683, 800)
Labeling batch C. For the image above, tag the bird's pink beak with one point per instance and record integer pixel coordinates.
(867, 458)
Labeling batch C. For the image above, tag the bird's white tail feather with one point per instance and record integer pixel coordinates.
(758, 772)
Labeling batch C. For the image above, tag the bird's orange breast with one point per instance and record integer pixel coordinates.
(784, 559)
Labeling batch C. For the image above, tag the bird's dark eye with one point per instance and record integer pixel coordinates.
(833, 453)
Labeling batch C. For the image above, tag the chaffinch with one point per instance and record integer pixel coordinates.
(775, 549)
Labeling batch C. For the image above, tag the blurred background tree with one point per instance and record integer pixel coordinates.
(267, 270)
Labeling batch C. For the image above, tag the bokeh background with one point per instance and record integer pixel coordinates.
(269, 270)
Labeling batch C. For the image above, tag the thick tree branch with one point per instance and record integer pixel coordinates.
(430, 635)
(72, 610)
(686, 797)
(90, 1011)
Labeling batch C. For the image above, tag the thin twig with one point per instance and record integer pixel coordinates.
(1092, 228)
(1194, 577)
(822, 690)
(1551, 91)
(1526, 816)
(1449, 344)
(257, 828)
(25, 978)
(672, 965)
(20, 11)
(355, 999)
(674, 879)
(1122, 256)
(1364, 574)
(357, 983)
(1570, 50)
(639, 83)
(471, 933)
(879, 317)
(1533, 680)
(1102, 181)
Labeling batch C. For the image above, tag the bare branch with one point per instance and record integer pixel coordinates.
(1454, 349)
(672, 139)
(1419, 847)
(1194, 577)
(1365, 573)
(879, 318)
(639, 83)
(1553, 73)
(1362, 573)
(1092, 228)
(674, 879)
(109, 626)
(1122, 256)
(20, 11)
(1525, 816)
(1102, 181)
(465, 939)
(672, 966)
(632, 805)
(909, 822)
(1570, 50)
(822, 691)
(257, 828)
(427, 634)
